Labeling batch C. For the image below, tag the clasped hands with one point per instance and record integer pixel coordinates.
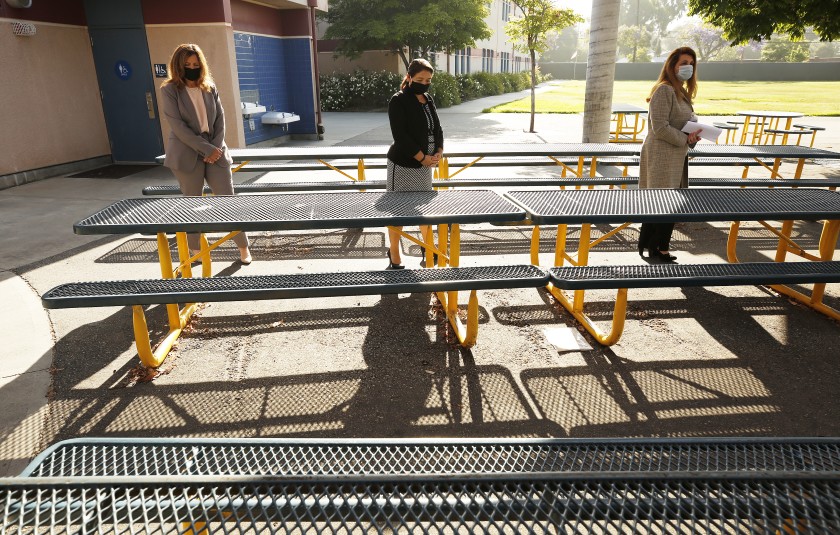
(431, 160)
(214, 156)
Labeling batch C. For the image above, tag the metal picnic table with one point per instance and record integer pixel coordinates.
(477, 151)
(764, 119)
(622, 126)
(764, 152)
(623, 207)
(293, 211)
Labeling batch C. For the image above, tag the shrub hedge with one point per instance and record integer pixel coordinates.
(371, 90)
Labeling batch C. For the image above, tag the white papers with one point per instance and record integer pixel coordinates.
(566, 339)
(707, 131)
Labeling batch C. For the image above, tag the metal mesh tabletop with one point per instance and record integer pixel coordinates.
(92, 457)
(762, 151)
(298, 211)
(652, 205)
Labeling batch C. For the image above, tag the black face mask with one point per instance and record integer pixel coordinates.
(192, 74)
(417, 88)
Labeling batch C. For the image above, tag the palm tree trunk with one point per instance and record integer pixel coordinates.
(600, 71)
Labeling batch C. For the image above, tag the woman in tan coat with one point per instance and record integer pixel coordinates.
(196, 151)
(664, 161)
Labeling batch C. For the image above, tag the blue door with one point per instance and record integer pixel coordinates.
(128, 95)
(121, 57)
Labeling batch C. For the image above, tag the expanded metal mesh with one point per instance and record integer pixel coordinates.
(579, 504)
(453, 150)
(761, 151)
(619, 206)
(303, 284)
(645, 275)
(173, 457)
(299, 211)
(277, 187)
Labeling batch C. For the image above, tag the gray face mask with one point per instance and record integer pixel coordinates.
(685, 72)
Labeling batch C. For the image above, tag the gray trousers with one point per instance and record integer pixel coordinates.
(220, 181)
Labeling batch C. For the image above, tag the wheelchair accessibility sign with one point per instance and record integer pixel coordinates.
(123, 69)
(160, 70)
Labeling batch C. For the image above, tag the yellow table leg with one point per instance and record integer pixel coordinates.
(828, 244)
(744, 130)
(560, 245)
(535, 245)
(583, 260)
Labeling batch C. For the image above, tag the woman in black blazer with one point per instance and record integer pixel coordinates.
(418, 143)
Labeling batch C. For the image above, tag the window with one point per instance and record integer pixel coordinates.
(487, 60)
(506, 11)
(505, 65)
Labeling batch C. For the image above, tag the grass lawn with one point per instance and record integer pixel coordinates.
(713, 98)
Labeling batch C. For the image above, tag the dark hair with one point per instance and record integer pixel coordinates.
(416, 66)
(667, 76)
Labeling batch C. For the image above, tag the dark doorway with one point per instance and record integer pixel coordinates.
(121, 58)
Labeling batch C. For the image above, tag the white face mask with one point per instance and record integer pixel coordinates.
(685, 72)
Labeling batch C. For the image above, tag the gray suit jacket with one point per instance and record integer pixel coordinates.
(186, 147)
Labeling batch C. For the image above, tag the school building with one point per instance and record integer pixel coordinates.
(81, 78)
(494, 54)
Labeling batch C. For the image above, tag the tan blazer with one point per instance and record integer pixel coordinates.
(663, 163)
(185, 146)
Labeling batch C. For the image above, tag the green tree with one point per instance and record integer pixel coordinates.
(758, 20)
(706, 40)
(410, 29)
(655, 15)
(782, 49)
(528, 33)
(634, 43)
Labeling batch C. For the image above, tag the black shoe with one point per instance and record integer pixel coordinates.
(661, 258)
(423, 260)
(392, 265)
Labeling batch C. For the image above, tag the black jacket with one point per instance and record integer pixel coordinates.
(408, 126)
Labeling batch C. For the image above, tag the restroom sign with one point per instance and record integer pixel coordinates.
(160, 70)
(122, 69)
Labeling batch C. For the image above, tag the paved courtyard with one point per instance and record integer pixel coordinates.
(723, 361)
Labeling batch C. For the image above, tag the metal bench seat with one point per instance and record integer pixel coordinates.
(299, 285)
(682, 275)
(797, 131)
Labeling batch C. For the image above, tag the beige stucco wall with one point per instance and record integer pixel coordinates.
(372, 60)
(51, 112)
(216, 40)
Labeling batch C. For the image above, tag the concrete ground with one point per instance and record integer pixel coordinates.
(692, 362)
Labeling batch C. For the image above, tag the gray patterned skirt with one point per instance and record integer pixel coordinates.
(409, 178)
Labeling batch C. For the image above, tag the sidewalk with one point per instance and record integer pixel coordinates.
(39, 250)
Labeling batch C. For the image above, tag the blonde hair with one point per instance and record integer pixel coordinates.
(176, 67)
(685, 90)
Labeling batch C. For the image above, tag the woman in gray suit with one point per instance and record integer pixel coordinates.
(196, 149)
(664, 159)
